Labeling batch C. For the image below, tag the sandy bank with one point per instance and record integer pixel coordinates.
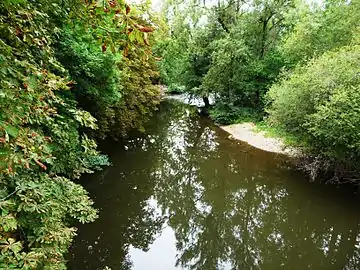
(245, 132)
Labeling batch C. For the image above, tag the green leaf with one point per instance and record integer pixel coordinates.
(11, 130)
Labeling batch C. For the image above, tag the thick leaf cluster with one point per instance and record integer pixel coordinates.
(320, 102)
(45, 130)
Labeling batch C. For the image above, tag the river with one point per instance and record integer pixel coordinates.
(184, 196)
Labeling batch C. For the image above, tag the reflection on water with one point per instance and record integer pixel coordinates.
(191, 99)
(183, 196)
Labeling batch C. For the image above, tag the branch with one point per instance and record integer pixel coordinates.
(8, 196)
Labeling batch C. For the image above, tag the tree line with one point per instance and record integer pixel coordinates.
(71, 72)
(293, 65)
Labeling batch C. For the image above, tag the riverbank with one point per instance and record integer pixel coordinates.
(247, 132)
(185, 166)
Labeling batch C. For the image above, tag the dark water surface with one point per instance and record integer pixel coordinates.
(183, 196)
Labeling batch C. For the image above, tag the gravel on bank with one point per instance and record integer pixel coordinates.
(245, 132)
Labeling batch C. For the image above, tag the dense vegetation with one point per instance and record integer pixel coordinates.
(73, 71)
(292, 64)
(67, 68)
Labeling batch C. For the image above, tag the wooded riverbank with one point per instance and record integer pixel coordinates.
(184, 196)
(293, 65)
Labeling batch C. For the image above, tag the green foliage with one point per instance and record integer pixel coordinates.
(39, 141)
(173, 62)
(226, 51)
(140, 96)
(97, 79)
(176, 89)
(274, 131)
(322, 29)
(320, 102)
(225, 114)
(237, 51)
(45, 130)
(116, 89)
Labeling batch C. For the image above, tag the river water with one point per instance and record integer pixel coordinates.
(184, 196)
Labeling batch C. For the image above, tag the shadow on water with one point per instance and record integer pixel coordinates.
(182, 196)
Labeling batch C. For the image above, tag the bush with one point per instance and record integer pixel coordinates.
(97, 79)
(176, 89)
(321, 103)
(43, 140)
(321, 30)
(40, 144)
(140, 96)
(116, 90)
(226, 114)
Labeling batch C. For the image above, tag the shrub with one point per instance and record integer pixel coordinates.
(40, 144)
(43, 141)
(117, 90)
(321, 103)
(225, 114)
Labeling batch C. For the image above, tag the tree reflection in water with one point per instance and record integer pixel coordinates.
(235, 207)
(125, 216)
(231, 206)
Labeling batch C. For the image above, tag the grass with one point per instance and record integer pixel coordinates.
(225, 114)
(277, 132)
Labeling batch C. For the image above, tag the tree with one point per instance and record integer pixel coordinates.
(45, 137)
(231, 51)
(321, 29)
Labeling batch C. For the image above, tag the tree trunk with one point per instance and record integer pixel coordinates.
(206, 101)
